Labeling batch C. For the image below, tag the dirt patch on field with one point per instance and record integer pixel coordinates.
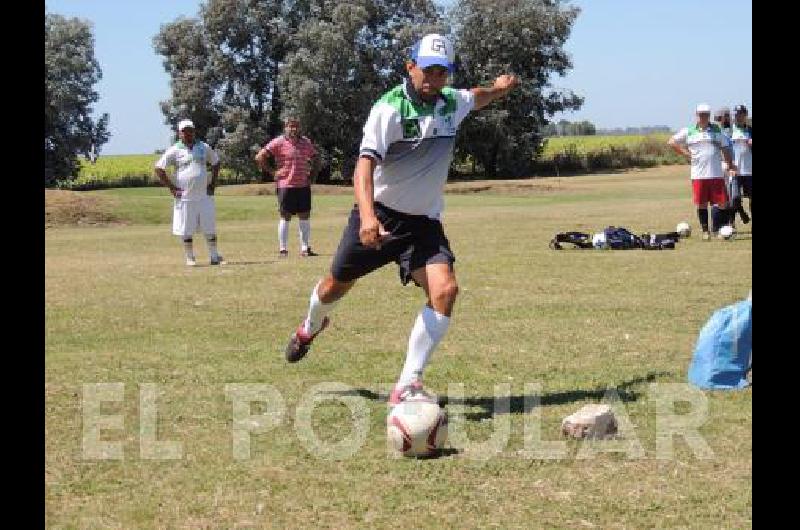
(70, 208)
(502, 186)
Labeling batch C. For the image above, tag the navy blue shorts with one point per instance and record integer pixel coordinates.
(294, 200)
(415, 241)
(747, 185)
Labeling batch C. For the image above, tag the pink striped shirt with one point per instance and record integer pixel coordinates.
(293, 159)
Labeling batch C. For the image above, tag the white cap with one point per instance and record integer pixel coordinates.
(185, 124)
(433, 49)
(703, 107)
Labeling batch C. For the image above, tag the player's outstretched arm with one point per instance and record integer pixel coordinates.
(501, 87)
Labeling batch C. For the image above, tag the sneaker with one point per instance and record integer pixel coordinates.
(283, 254)
(300, 342)
(218, 260)
(191, 262)
(413, 391)
(706, 236)
(308, 252)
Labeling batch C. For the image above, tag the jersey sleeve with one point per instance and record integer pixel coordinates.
(273, 146)
(681, 136)
(167, 158)
(465, 103)
(380, 131)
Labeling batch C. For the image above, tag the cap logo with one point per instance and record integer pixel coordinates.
(438, 45)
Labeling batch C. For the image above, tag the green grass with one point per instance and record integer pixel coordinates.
(121, 307)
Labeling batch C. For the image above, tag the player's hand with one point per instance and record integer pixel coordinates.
(506, 82)
(372, 233)
(177, 192)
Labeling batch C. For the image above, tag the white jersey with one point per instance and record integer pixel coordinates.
(191, 174)
(706, 147)
(742, 150)
(413, 142)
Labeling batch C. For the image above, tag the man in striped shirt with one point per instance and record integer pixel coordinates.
(296, 160)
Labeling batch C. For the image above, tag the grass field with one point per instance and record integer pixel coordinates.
(121, 308)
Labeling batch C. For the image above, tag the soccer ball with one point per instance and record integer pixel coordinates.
(683, 229)
(416, 428)
(726, 232)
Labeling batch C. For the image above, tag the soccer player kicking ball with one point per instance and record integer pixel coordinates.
(399, 184)
(194, 202)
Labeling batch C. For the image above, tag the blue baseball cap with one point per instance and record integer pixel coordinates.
(434, 50)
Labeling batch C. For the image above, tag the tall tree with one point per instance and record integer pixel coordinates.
(344, 60)
(71, 71)
(235, 68)
(524, 37)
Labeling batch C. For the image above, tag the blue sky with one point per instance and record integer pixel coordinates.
(636, 62)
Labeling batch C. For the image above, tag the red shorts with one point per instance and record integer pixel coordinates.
(709, 190)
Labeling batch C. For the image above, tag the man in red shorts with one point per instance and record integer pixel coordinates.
(705, 145)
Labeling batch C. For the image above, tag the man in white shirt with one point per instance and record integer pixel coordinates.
(705, 145)
(193, 191)
(742, 140)
(399, 184)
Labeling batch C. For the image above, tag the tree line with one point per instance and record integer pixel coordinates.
(239, 66)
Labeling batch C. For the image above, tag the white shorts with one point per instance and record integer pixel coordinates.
(190, 216)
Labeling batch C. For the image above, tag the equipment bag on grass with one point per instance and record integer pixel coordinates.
(724, 349)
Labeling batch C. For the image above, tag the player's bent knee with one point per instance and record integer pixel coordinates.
(446, 294)
(330, 289)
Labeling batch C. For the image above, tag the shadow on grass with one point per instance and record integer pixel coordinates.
(524, 404)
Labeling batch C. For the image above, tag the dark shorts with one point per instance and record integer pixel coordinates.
(415, 241)
(294, 200)
(747, 185)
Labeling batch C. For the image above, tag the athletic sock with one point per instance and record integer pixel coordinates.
(283, 234)
(317, 311)
(429, 329)
(702, 215)
(305, 233)
(211, 239)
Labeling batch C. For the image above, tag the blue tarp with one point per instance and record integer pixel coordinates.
(723, 354)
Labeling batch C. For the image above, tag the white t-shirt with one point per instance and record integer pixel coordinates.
(191, 174)
(742, 150)
(706, 146)
(413, 142)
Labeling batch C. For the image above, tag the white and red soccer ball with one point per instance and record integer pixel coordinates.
(416, 428)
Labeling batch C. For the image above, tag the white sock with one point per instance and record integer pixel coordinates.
(428, 330)
(305, 233)
(316, 312)
(187, 248)
(211, 239)
(283, 234)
